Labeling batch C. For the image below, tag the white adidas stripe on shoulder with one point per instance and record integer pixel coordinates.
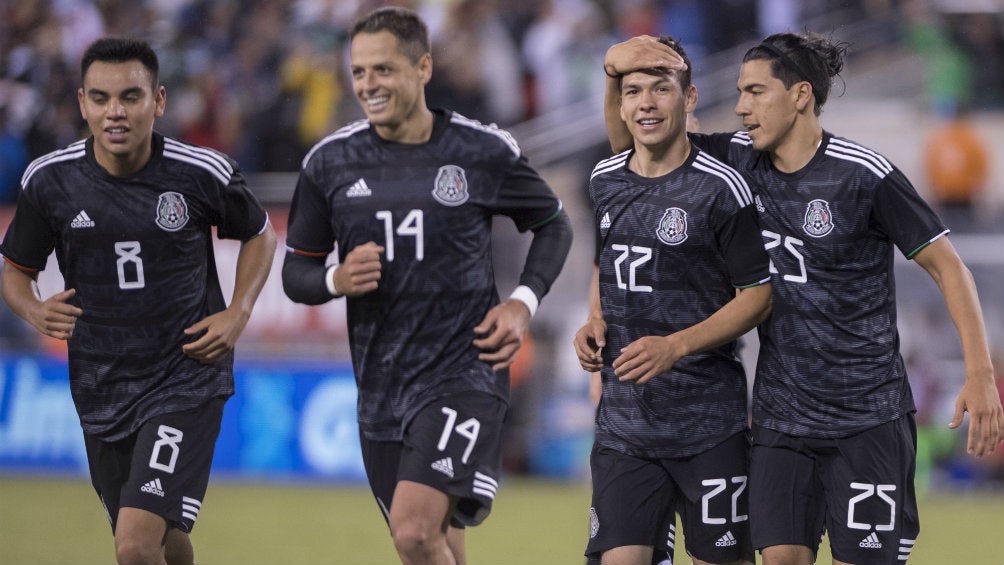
(741, 138)
(492, 129)
(736, 182)
(610, 164)
(75, 150)
(848, 151)
(347, 130)
(202, 157)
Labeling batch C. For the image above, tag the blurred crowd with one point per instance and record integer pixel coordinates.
(263, 80)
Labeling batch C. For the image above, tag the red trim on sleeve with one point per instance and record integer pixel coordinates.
(20, 267)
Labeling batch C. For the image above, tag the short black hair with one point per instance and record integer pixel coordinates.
(119, 50)
(685, 75)
(806, 57)
(406, 25)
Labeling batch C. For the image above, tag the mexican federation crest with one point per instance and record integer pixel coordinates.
(451, 186)
(818, 218)
(172, 211)
(672, 228)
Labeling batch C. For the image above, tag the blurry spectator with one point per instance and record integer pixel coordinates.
(956, 162)
(310, 76)
(948, 80)
(980, 37)
(561, 49)
(13, 160)
(478, 72)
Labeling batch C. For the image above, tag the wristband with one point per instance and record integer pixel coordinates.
(526, 296)
(329, 281)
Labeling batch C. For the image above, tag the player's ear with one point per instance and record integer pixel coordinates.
(425, 67)
(803, 95)
(690, 99)
(160, 100)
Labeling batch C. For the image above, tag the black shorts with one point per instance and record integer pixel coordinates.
(453, 445)
(859, 489)
(635, 501)
(162, 468)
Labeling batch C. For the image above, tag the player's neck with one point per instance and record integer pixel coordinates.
(798, 147)
(416, 129)
(657, 160)
(122, 165)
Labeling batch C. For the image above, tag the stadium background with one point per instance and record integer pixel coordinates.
(264, 80)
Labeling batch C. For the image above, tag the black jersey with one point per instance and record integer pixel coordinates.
(430, 206)
(138, 250)
(829, 362)
(673, 250)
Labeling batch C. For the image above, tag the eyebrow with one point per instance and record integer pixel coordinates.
(126, 92)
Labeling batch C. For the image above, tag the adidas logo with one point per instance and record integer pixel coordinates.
(82, 221)
(153, 487)
(358, 189)
(605, 222)
(728, 540)
(871, 542)
(444, 466)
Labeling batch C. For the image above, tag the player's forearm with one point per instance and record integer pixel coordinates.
(595, 305)
(254, 262)
(741, 314)
(962, 299)
(303, 279)
(617, 131)
(958, 289)
(547, 254)
(20, 292)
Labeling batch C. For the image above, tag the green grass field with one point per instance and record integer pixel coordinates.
(49, 521)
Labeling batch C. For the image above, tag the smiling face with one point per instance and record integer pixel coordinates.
(655, 107)
(767, 108)
(120, 103)
(389, 86)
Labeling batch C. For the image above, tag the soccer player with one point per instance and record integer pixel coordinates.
(129, 213)
(408, 196)
(834, 440)
(680, 276)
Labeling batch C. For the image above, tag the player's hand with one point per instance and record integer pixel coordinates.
(359, 273)
(589, 342)
(56, 317)
(646, 358)
(986, 417)
(501, 333)
(641, 52)
(219, 335)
